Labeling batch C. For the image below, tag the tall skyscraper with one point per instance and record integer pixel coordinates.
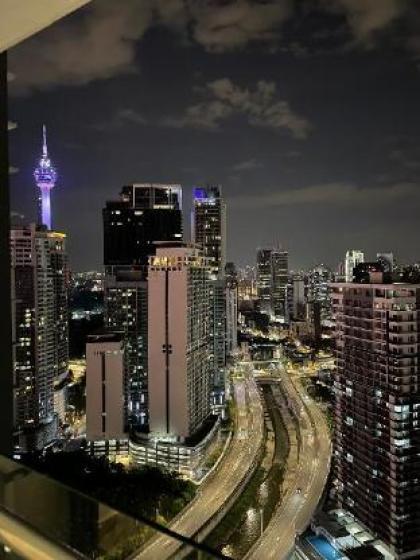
(353, 258)
(45, 177)
(208, 229)
(179, 341)
(377, 409)
(40, 330)
(319, 279)
(231, 308)
(146, 213)
(280, 271)
(265, 280)
(295, 302)
(272, 276)
(208, 232)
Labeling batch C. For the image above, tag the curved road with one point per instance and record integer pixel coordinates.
(233, 468)
(303, 495)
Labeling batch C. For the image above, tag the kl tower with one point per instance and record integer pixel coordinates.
(45, 178)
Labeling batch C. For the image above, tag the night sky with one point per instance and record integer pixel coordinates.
(307, 113)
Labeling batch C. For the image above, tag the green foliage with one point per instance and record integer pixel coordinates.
(136, 492)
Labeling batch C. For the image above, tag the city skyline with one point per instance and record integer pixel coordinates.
(308, 122)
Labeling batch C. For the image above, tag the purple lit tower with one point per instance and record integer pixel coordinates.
(45, 177)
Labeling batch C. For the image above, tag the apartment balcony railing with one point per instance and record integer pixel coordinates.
(42, 518)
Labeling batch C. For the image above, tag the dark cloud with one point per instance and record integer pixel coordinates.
(101, 41)
(367, 17)
(221, 27)
(247, 165)
(332, 194)
(260, 105)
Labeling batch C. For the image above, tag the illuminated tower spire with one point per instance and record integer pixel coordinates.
(45, 177)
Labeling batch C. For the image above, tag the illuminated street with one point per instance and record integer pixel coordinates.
(216, 491)
(307, 483)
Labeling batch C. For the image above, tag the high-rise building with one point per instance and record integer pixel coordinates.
(40, 330)
(353, 258)
(265, 280)
(45, 178)
(318, 288)
(231, 309)
(387, 261)
(377, 409)
(280, 271)
(208, 233)
(179, 341)
(105, 393)
(208, 226)
(145, 214)
(272, 277)
(126, 312)
(295, 302)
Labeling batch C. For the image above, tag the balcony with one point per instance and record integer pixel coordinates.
(43, 519)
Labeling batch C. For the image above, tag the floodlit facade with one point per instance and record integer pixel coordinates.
(377, 409)
(45, 178)
(40, 330)
(353, 258)
(105, 392)
(179, 342)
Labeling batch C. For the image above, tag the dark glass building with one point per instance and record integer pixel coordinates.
(145, 213)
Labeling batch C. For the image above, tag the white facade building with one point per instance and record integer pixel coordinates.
(353, 258)
(179, 341)
(105, 388)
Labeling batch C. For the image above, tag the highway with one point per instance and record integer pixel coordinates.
(306, 486)
(217, 490)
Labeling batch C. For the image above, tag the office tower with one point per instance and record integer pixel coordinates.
(126, 311)
(318, 287)
(296, 297)
(387, 261)
(208, 226)
(144, 214)
(265, 281)
(208, 232)
(353, 258)
(231, 308)
(45, 178)
(280, 271)
(105, 392)
(377, 409)
(179, 341)
(40, 330)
